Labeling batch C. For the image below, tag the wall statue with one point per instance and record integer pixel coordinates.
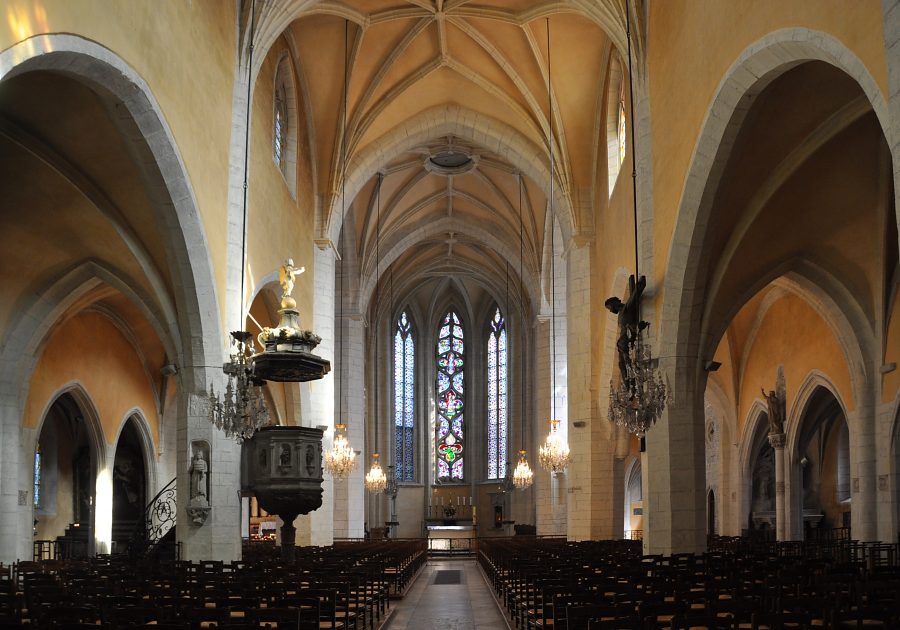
(776, 400)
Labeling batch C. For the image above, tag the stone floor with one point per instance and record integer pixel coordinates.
(468, 605)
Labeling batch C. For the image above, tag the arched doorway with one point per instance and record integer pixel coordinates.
(65, 480)
(634, 518)
(761, 480)
(129, 485)
(822, 466)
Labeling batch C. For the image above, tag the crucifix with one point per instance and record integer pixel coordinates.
(451, 241)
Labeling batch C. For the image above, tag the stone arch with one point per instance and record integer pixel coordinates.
(148, 445)
(815, 380)
(633, 484)
(754, 423)
(98, 453)
(165, 174)
(754, 69)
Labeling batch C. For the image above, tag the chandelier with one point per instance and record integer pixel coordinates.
(242, 409)
(554, 453)
(523, 476)
(376, 481)
(553, 456)
(641, 395)
(341, 459)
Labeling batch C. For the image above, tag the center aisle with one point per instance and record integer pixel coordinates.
(448, 595)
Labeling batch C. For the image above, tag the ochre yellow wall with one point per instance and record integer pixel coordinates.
(792, 333)
(692, 45)
(90, 349)
(157, 39)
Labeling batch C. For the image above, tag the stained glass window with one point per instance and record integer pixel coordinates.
(497, 398)
(450, 399)
(37, 477)
(280, 125)
(621, 131)
(404, 400)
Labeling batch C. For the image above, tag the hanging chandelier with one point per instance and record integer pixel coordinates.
(523, 476)
(341, 459)
(639, 398)
(553, 456)
(554, 452)
(242, 409)
(376, 481)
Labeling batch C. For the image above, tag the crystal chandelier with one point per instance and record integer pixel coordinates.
(641, 395)
(523, 476)
(341, 459)
(242, 409)
(554, 452)
(553, 455)
(376, 481)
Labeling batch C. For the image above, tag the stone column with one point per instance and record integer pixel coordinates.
(317, 528)
(781, 529)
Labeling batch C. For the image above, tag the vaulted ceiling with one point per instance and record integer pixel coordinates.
(459, 82)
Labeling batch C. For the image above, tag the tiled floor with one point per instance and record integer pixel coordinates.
(465, 606)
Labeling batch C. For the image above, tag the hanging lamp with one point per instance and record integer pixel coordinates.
(242, 409)
(523, 476)
(638, 400)
(340, 460)
(553, 455)
(376, 482)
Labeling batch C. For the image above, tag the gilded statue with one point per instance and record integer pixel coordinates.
(286, 275)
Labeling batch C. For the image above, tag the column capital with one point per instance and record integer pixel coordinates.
(777, 440)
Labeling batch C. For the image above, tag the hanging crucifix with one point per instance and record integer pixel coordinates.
(630, 322)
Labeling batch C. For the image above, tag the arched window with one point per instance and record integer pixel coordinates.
(280, 127)
(497, 382)
(284, 123)
(37, 476)
(450, 399)
(616, 124)
(404, 400)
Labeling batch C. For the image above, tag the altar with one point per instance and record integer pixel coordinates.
(450, 539)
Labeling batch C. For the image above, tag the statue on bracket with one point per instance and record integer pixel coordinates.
(776, 401)
(198, 507)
